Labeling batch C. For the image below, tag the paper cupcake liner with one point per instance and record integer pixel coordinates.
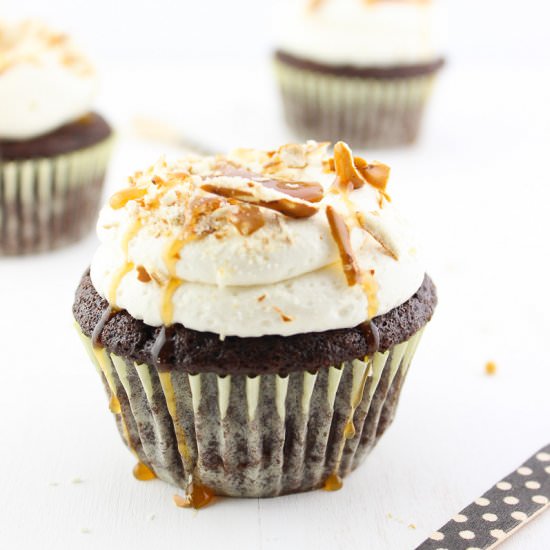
(365, 112)
(254, 436)
(49, 202)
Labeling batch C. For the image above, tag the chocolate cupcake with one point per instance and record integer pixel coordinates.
(53, 149)
(358, 70)
(253, 317)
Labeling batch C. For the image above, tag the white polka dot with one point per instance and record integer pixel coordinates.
(460, 518)
(524, 471)
(510, 500)
(547, 469)
(490, 517)
(437, 536)
(483, 501)
(532, 485)
(544, 457)
(473, 548)
(498, 533)
(519, 516)
(467, 535)
(540, 499)
(504, 486)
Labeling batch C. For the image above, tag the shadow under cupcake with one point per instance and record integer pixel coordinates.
(253, 318)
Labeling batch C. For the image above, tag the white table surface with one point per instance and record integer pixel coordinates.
(477, 187)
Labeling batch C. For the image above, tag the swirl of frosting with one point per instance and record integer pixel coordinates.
(362, 33)
(256, 243)
(45, 81)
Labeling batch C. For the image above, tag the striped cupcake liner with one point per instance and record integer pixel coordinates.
(254, 436)
(49, 202)
(365, 112)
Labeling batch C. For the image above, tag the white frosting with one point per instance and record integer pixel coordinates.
(44, 81)
(361, 33)
(285, 278)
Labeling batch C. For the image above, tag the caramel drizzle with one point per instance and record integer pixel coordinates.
(171, 257)
(98, 329)
(370, 286)
(341, 235)
(123, 270)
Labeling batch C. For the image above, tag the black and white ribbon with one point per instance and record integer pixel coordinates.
(501, 511)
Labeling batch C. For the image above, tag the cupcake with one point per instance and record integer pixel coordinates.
(253, 317)
(358, 70)
(53, 148)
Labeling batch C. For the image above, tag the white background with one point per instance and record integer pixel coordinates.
(476, 185)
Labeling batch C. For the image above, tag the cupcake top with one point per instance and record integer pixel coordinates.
(361, 33)
(256, 243)
(45, 82)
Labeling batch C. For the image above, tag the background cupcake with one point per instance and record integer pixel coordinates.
(358, 70)
(53, 148)
(253, 317)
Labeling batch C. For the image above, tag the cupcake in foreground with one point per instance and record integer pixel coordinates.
(53, 149)
(358, 70)
(253, 317)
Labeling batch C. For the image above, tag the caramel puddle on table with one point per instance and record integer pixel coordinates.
(197, 496)
(333, 483)
(142, 472)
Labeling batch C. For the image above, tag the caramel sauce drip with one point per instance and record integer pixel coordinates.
(120, 273)
(114, 405)
(142, 472)
(123, 270)
(197, 496)
(121, 198)
(372, 335)
(247, 219)
(171, 257)
(158, 346)
(370, 286)
(341, 236)
(98, 329)
(303, 190)
(333, 483)
(349, 430)
(288, 207)
(167, 306)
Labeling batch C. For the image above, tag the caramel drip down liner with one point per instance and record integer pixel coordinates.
(257, 436)
(49, 202)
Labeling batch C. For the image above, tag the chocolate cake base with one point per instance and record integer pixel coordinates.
(364, 106)
(251, 417)
(195, 352)
(81, 134)
(50, 187)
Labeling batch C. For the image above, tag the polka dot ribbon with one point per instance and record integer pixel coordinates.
(501, 511)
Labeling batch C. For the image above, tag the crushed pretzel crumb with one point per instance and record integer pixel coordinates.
(490, 368)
